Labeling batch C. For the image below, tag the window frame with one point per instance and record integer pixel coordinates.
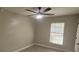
(63, 34)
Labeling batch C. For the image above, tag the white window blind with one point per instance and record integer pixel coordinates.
(56, 33)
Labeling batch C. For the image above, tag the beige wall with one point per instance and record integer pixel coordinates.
(16, 31)
(43, 31)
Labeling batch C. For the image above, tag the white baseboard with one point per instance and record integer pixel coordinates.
(18, 50)
(63, 50)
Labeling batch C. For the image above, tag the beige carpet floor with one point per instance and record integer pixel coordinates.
(37, 48)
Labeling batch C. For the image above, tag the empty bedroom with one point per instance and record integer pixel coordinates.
(39, 29)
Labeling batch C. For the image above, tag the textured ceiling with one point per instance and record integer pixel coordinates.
(58, 11)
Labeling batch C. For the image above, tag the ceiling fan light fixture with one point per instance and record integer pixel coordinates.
(39, 16)
(40, 13)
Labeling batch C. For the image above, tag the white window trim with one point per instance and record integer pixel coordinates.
(61, 33)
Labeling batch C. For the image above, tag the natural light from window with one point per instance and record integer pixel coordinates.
(56, 33)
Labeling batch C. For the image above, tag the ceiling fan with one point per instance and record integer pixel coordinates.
(39, 11)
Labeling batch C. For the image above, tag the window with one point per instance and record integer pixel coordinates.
(56, 33)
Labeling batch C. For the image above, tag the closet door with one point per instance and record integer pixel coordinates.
(77, 40)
